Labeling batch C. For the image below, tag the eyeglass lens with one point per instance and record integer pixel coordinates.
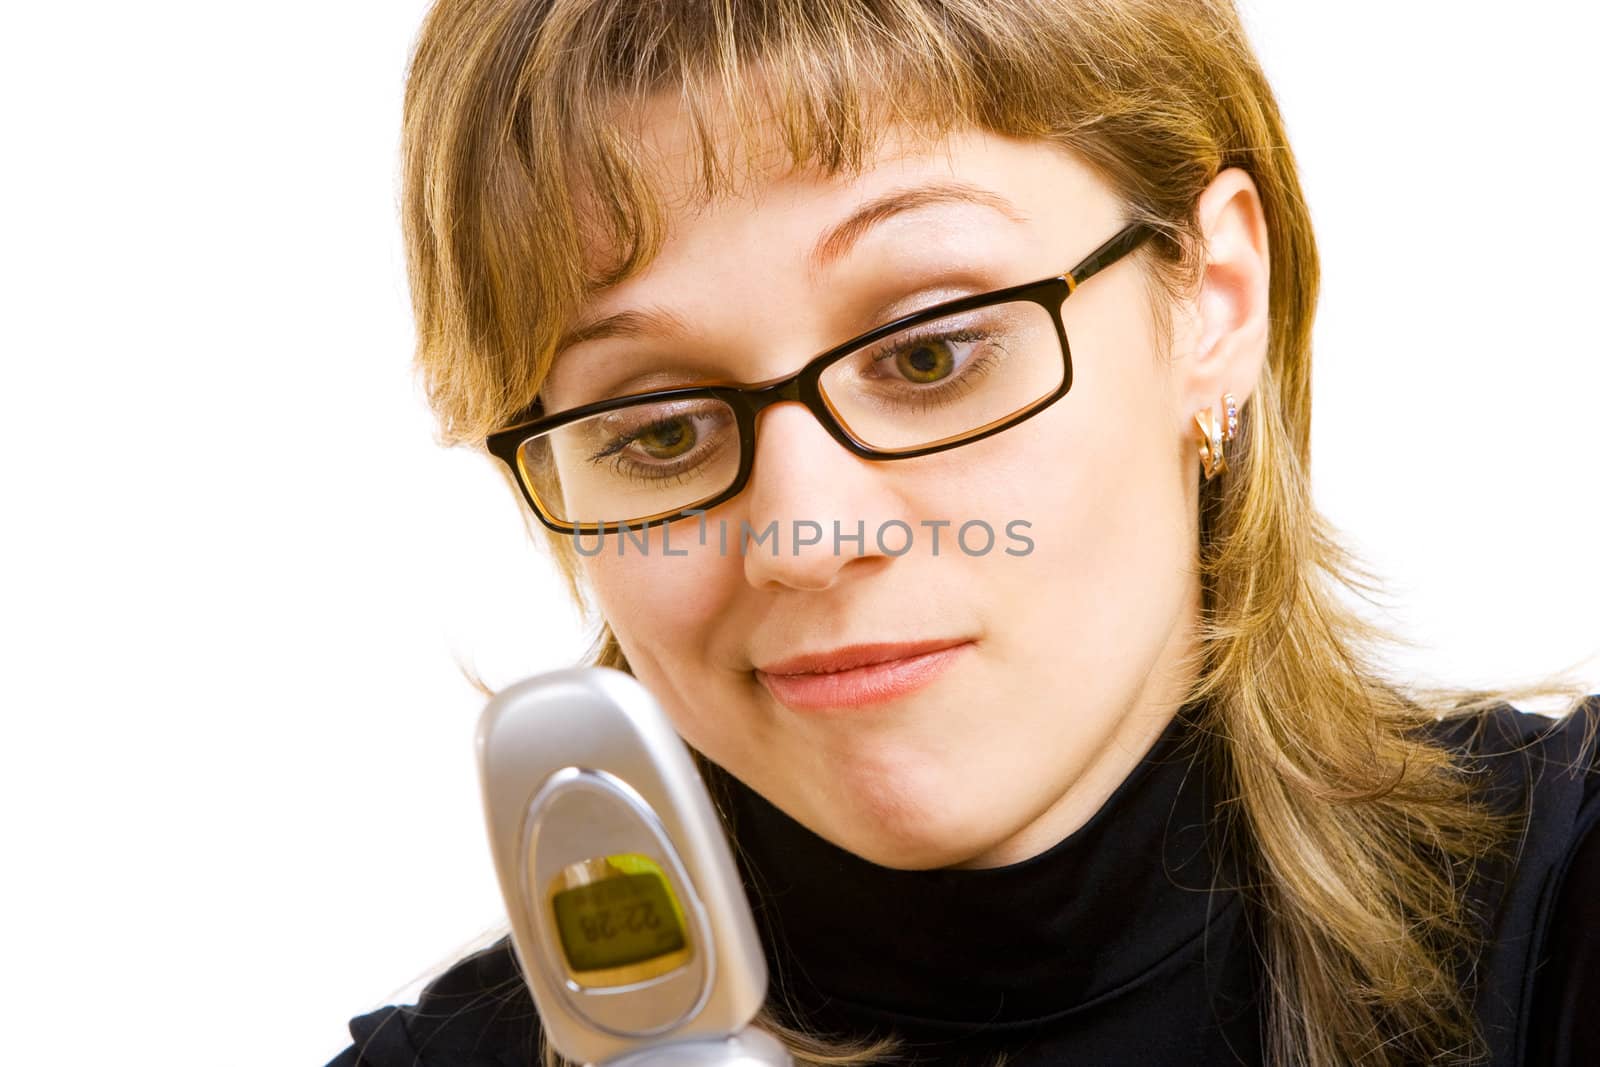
(933, 382)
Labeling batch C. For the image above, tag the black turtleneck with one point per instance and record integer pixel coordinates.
(1120, 943)
(1125, 943)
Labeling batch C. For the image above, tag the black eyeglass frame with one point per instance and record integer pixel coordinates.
(748, 401)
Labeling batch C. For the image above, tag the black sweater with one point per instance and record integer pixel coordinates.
(1127, 942)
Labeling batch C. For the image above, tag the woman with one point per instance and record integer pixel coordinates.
(1010, 646)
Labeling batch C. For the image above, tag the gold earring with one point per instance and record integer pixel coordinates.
(1214, 432)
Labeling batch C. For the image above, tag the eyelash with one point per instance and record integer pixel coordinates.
(620, 462)
(963, 380)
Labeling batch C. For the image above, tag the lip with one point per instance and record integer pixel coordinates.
(859, 675)
(851, 656)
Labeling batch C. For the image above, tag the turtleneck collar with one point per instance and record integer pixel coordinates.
(954, 949)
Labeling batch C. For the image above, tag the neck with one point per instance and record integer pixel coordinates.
(1166, 688)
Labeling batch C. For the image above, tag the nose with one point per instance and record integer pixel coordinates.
(814, 509)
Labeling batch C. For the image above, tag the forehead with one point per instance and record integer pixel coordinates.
(710, 178)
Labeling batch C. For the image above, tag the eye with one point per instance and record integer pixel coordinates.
(667, 439)
(933, 356)
(926, 360)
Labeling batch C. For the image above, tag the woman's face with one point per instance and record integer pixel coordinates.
(1064, 658)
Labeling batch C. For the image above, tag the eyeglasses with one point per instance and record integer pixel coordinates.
(936, 379)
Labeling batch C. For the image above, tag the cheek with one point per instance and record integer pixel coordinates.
(1119, 448)
(671, 616)
(1099, 478)
(656, 603)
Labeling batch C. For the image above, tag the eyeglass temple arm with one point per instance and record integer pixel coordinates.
(1125, 241)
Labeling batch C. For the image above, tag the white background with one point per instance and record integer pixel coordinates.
(238, 789)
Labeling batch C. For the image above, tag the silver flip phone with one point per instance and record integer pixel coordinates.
(627, 913)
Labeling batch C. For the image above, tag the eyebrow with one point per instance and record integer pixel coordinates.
(833, 245)
(635, 322)
(844, 235)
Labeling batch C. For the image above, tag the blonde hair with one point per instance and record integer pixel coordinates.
(1360, 833)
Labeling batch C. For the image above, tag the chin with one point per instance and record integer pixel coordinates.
(916, 854)
(912, 836)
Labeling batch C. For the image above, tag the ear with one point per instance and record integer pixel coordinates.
(1224, 346)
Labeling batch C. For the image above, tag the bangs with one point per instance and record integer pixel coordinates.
(756, 95)
(528, 187)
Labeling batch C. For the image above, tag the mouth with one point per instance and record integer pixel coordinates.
(860, 675)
